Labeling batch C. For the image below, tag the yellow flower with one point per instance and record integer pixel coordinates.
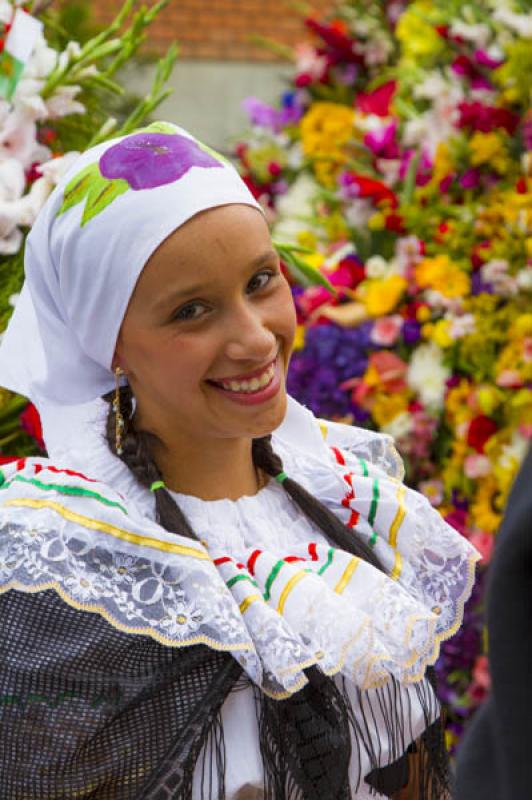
(489, 148)
(442, 275)
(456, 401)
(380, 296)
(440, 333)
(417, 36)
(307, 239)
(489, 398)
(522, 326)
(313, 259)
(376, 222)
(423, 314)
(299, 339)
(387, 407)
(484, 510)
(326, 129)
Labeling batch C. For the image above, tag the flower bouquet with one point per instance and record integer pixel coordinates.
(399, 161)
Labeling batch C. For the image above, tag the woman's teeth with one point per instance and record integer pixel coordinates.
(252, 385)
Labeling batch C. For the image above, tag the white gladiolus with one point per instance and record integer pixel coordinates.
(477, 34)
(519, 23)
(294, 208)
(62, 102)
(427, 375)
(400, 426)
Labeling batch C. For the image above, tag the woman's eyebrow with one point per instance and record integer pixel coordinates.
(259, 261)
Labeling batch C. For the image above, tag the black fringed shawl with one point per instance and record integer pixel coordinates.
(88, 711)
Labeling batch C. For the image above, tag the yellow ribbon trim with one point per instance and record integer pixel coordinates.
(397, 567)
(288, 588)
(244, 605)
(112, 530)
(399, 517)
(346, 577)
(323, 429)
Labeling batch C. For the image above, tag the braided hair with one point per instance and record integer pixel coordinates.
(137, 456)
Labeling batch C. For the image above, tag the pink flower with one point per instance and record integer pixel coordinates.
(386, 330)
(481, 672)
(477, 466)
(481, 683)
(433, 491)
(525, 430)
(310, 63)
(458, 519)
(383, 142)
(509, 379)
(485, 60)
(484, 543)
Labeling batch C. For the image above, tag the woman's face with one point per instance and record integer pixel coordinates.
(211, 305)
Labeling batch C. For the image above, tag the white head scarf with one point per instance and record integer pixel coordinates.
(88, 246)
(83, 257)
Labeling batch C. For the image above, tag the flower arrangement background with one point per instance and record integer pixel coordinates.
(399, 159)
(67, 99)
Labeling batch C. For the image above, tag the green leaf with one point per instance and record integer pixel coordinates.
(101, 194)
(78, 187)
(302, 272)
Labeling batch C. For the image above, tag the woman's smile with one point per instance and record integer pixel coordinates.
(257, 390)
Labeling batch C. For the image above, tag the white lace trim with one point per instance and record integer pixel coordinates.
(266, 587)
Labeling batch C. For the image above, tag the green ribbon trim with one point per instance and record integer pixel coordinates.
(74, 491)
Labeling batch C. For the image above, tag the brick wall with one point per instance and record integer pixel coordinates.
(220, 29)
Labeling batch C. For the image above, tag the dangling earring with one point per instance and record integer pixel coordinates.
(119, 420)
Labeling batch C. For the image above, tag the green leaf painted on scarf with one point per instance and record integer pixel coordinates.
(156, 127)
(78, 187)
(102, 192)
(213, 153)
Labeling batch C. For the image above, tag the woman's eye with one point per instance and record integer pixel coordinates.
(267, 273)
(183, 314)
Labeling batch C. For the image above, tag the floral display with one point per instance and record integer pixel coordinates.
(400, 161)
(55, 97)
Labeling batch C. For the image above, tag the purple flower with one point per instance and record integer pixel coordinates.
(411, 331)
(147, 160)
(470, 179)
(331, 355)
(478, 286)
(261, 114)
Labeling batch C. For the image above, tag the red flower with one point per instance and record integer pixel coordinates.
(394, 222)
(342, 46)
(31, 422)
(360, 186)
(477, 256)
(481, 429)
(377, 102)
(483, 118)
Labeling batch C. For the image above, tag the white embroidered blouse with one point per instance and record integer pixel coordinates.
(263, 583)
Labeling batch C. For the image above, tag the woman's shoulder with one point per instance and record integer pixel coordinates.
(38, 482)
(305, 436)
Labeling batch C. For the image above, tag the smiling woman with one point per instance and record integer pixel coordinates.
(256, 589)
(183, 346)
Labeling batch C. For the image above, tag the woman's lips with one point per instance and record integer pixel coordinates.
(253, 398)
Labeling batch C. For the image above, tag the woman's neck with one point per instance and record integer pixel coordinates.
(222, 469)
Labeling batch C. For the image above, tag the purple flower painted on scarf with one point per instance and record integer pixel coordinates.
(147, 160)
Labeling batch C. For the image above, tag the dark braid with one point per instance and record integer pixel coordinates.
(136, 455)
(333, 528)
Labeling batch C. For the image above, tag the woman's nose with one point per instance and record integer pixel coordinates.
(249, 337)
